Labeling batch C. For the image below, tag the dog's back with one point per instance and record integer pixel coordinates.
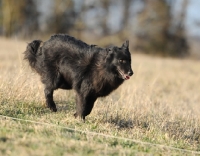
(66, 42)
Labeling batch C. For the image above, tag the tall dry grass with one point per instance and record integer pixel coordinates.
(159, 104)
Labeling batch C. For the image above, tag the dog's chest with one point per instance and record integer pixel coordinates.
(105, 88)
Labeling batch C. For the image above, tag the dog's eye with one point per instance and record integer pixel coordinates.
(120, 61)
(124, 61)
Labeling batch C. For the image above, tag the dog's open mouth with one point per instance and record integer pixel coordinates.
(124, 76)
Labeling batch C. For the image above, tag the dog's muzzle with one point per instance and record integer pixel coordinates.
(125, 76)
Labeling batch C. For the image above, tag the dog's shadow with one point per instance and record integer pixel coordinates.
(65, 106)
(127, 123)
(121, 123)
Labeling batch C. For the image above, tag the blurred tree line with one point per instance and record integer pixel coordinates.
(152, 25)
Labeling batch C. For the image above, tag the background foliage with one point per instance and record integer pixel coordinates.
(153, 26)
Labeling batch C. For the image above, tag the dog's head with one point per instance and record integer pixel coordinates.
(119, 60)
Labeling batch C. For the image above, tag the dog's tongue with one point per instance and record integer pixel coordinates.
(127, 77)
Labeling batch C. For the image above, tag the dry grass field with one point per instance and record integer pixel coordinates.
(160, 104)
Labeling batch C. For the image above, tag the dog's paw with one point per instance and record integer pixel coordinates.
(75, 115)
(53, 109)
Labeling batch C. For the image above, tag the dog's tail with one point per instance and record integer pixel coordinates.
(31, 52)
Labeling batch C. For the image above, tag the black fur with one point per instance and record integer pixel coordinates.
(67, 63)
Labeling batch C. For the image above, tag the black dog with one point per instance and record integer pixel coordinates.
(67, 63)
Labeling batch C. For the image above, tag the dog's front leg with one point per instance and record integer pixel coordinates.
(84, 105)
(78, 106)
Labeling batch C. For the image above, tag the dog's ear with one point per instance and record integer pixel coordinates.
(125, 45)
(109, 53)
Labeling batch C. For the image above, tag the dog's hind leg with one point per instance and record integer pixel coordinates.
(49, 99)
(50, 81)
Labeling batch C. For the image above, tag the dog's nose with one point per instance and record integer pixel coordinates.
(130, 73)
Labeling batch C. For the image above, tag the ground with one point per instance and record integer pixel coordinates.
(156, 112)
